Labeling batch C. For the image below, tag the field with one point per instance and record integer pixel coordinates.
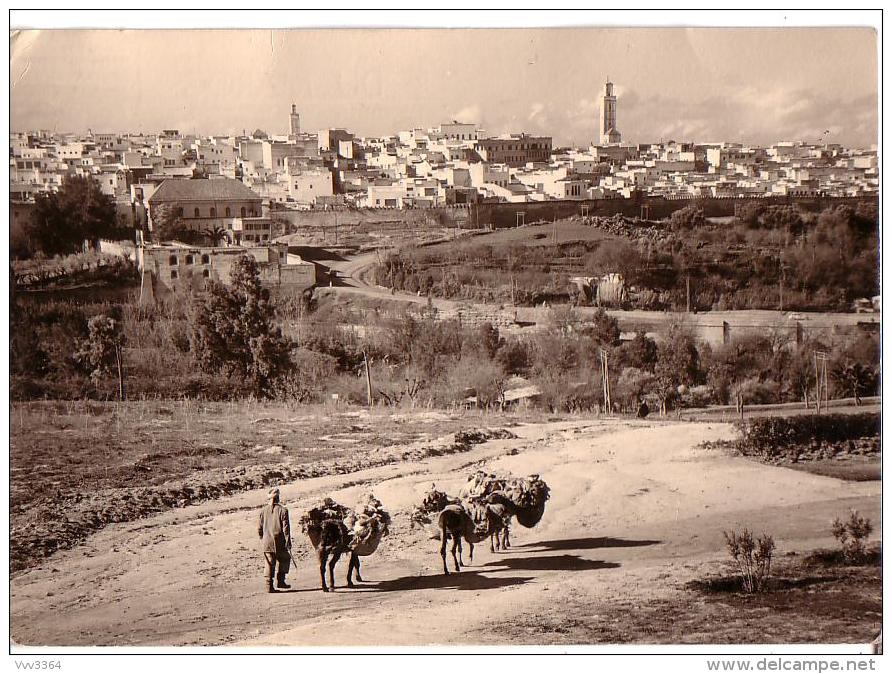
(112, 462)
(632, 531)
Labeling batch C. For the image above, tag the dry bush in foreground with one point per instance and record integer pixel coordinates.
(752, 556)
(852, 536)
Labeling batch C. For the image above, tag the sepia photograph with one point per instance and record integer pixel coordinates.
(537, 331)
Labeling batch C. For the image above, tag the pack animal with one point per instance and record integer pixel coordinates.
(474, 521)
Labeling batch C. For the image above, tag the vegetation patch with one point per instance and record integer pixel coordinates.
(103, 463)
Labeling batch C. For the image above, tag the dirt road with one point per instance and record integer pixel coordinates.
(635, 507)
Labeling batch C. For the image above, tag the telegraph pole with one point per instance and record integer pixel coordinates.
(783, 277)
(688, 291)
(821, 387)
(605, 381)
(368, 378)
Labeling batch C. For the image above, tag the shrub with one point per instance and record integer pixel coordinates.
(774, 436)
(852, 536)
(752, 557)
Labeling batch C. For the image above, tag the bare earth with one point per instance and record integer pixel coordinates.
(636, 511)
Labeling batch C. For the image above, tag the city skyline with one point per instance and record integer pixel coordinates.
(754, 86)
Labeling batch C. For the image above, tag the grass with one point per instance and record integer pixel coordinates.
(95, 445)
(815, 599)
(860, 469)
(563, 231)
(110, 462)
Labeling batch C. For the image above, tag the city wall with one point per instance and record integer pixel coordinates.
(501, 215)
(652, 208)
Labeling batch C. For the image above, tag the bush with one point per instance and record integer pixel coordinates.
(774, 436)
(752, 557)
(852, 536)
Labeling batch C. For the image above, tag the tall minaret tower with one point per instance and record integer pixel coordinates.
(607, 118)
(294, 122)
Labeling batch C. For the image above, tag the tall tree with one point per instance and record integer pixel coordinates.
(103, 349)
(678, 363)
(233, 330)
(78, 211)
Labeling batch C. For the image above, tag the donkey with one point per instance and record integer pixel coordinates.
(473, 520)
(330, 539)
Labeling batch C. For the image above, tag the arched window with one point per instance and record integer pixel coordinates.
(173, 260)
(252, 212)
(188, 259)
(197, 213)
(228, 212)
(173, 273)
(205, 259)
(213, 212)
(206, 273)
(244, 211)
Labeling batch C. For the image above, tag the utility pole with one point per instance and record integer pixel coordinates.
(368, 378)
(605, 381)
(688, 291)
(783, 280)
(821, 387)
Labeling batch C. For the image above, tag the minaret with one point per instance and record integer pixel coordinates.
(294, 122)
(607, 119)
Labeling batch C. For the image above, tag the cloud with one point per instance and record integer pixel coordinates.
(470, 114)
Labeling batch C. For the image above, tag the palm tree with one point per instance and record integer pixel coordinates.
(217, 235)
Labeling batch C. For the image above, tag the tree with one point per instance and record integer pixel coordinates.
(481, 374)
(605, 329)
(490, 341)
(167, 225)
(216, 235)
(514, 356)
(689, 217)
(233, 332)
(104, 348)
(678, 363)
(78, 211)
(640, 352)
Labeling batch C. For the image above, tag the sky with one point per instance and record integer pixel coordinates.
(750, 85)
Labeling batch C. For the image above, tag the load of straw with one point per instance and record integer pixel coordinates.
(326, 511)
(433, 503)
(529, 494)
(482, 483)
(368, 526)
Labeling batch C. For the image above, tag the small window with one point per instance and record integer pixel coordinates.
(197, 213)
(206, 273)
(173, 273)
(252, 212)
(180, 212)
(213, 212)
(244, 212)
(189, 259)
(228, 212)
(173, 261)
(205, 259)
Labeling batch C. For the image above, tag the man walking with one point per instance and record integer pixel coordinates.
(275, 535)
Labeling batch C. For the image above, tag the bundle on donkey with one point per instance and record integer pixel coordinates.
(366, 528)
(334, 530)
(525, 498)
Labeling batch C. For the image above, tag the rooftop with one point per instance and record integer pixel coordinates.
(203, 189)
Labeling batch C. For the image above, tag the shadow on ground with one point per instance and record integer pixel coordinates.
(551, 563)
(464, 580)
(315, 253)
(587, 544)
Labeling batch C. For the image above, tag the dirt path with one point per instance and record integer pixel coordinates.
(634, 506)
